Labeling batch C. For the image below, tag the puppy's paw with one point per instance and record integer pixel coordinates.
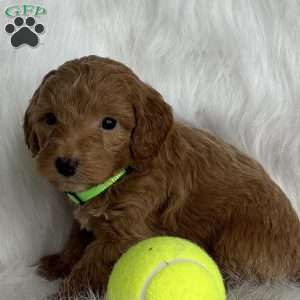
(81, 281)
(73, 286)
(52, 267)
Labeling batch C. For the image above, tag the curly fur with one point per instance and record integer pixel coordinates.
(185, 182)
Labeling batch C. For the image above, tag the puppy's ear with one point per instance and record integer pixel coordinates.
(154, 120)
(31, 138)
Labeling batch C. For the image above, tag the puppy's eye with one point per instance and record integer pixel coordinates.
(50, 119)
(109, 123)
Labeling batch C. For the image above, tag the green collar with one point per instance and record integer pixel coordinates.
(85, 196)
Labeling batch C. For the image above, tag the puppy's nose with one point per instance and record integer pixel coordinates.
(66, 166)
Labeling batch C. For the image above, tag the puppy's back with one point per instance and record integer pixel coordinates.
(230, 206)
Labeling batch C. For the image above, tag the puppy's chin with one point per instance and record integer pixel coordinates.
(73, 185)
(70, 187)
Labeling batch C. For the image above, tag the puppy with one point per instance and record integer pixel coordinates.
(91, 118)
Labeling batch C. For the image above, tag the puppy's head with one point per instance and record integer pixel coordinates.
(91, 117)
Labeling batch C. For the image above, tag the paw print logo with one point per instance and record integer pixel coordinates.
(24, 33)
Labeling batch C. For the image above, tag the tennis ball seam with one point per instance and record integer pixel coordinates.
(164, 265)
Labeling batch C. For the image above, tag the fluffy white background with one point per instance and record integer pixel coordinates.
(232, 67)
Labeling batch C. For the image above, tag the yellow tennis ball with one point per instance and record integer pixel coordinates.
(165, 268)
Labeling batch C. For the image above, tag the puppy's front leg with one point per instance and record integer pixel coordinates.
(90, 272)
(120, 228)
(60, 264)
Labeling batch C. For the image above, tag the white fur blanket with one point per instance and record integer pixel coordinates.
(230, 66)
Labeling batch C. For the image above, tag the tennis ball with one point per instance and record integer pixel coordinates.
(165, 268)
